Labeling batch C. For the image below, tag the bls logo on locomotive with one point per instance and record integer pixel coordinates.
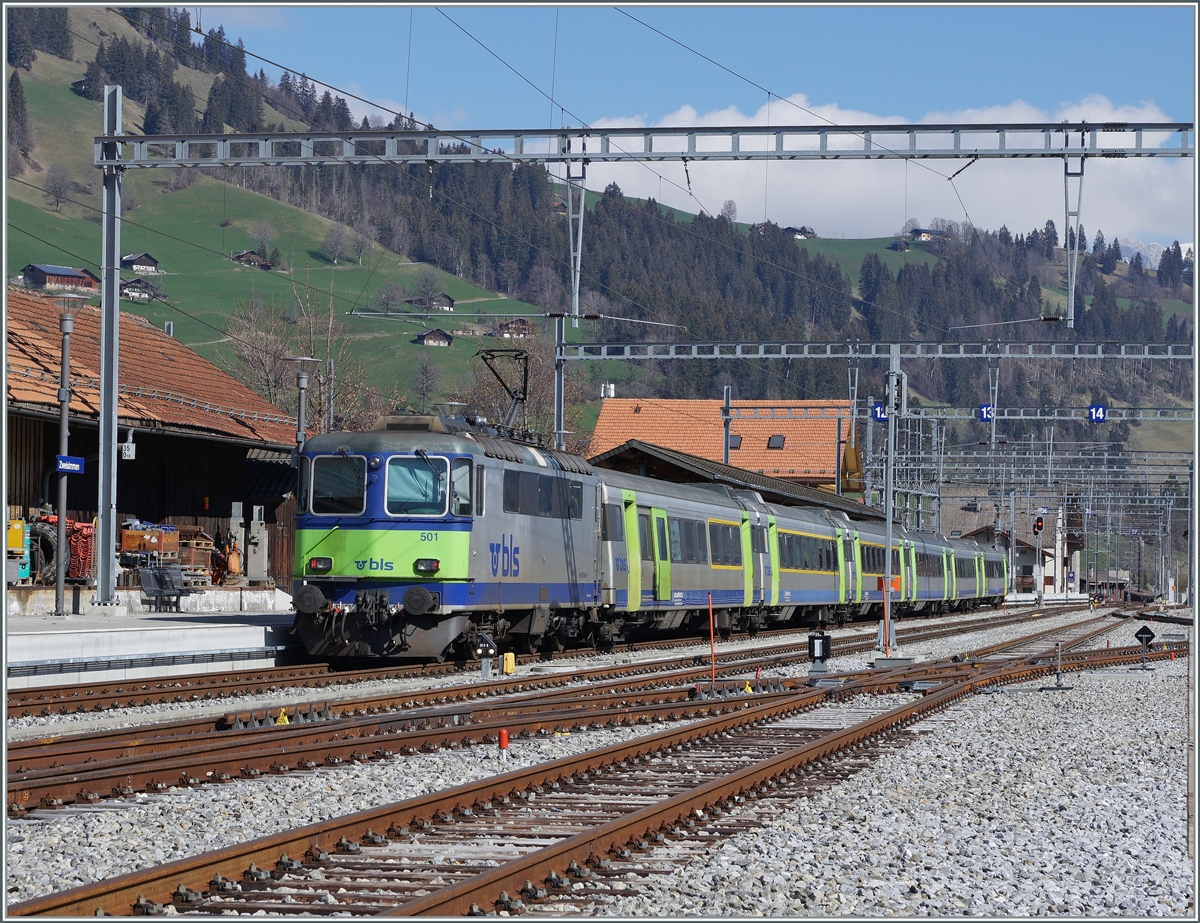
(374, 564)
(504, 557)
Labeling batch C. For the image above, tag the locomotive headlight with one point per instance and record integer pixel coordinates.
(320, 565)
(426, 565)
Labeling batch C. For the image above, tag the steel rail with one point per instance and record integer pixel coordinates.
(149, 888)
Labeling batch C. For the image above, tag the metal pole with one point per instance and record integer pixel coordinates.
(869, 464)
(725, 416)
(1072, 251)
(329, 395)
(66, 324)
(110, 281)
(894, 402)
(302, 384)
(560, 365)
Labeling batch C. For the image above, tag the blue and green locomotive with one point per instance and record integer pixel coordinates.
(420, 535)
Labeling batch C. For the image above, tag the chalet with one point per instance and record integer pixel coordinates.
(901, 245)
(251, 258)
(140, 290)
(559, 208)
(434, 337)
(516, 329)
(928, 234)
(440, 302)
(44, 275)
(804, 232)
(141, 263)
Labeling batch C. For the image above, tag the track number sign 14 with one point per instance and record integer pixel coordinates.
(1097, 413)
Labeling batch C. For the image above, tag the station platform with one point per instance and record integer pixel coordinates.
(45, 650)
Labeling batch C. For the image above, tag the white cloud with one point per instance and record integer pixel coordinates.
(1150, 199)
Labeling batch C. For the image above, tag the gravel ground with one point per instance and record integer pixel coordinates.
(1073, 803)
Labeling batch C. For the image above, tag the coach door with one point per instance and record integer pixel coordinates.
(849, 567)
(662, 555)
(633, 551)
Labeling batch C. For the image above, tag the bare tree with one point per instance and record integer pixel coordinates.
(334, 244)
(729, 210)
(545, 287)
(259, 335)
(361, 242)
(401, 235)
(427, 380)
(388, 296)
(263, 234)
(58, 185)
(426, 288)
(446, 252)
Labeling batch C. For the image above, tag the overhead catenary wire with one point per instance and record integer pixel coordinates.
(554, 257)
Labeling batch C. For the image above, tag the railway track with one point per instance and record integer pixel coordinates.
(51, 773)
(543, 838)
(71, 698)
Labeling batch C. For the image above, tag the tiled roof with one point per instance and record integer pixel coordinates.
(809, 451)
(161, 383)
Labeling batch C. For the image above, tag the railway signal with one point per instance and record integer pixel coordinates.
(1037, 525)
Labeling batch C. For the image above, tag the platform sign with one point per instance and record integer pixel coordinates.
(1144, 635)
(1097, 413)
(1043, 509)
(878, 413)
(1070, 575)
(987, 412)
(68, 464)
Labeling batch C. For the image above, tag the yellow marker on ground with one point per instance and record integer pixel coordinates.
(283, 718)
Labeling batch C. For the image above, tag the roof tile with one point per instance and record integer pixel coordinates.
(161, 383)
(809, 451)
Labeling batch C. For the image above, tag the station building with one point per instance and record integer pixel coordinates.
(202, 440)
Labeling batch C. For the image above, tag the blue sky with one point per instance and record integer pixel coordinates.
(852, 63)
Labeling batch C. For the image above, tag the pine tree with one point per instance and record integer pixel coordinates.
(53, 32)
(20, 137)
(20, 51)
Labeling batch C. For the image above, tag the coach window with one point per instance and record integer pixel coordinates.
(676, 541)
(339, 485)
(460, 487)
(662, 539)
(512, 491)
(612, 523)
(416, 485)
(644, 536)
(701, 544)
(575, 502)
(479, 490)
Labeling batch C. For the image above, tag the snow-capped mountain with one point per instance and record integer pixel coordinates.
(1151, 253)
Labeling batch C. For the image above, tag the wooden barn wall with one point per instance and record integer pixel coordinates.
(27, 455)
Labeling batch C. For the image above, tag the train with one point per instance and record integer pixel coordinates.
(431, 537)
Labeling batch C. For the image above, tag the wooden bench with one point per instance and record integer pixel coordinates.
(164, 582)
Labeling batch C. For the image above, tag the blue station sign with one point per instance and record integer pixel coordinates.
(68, 464)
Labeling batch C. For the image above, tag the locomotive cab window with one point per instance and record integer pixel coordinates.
(303, 484)
(460, 487)
(339, 485)
(416, 485)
